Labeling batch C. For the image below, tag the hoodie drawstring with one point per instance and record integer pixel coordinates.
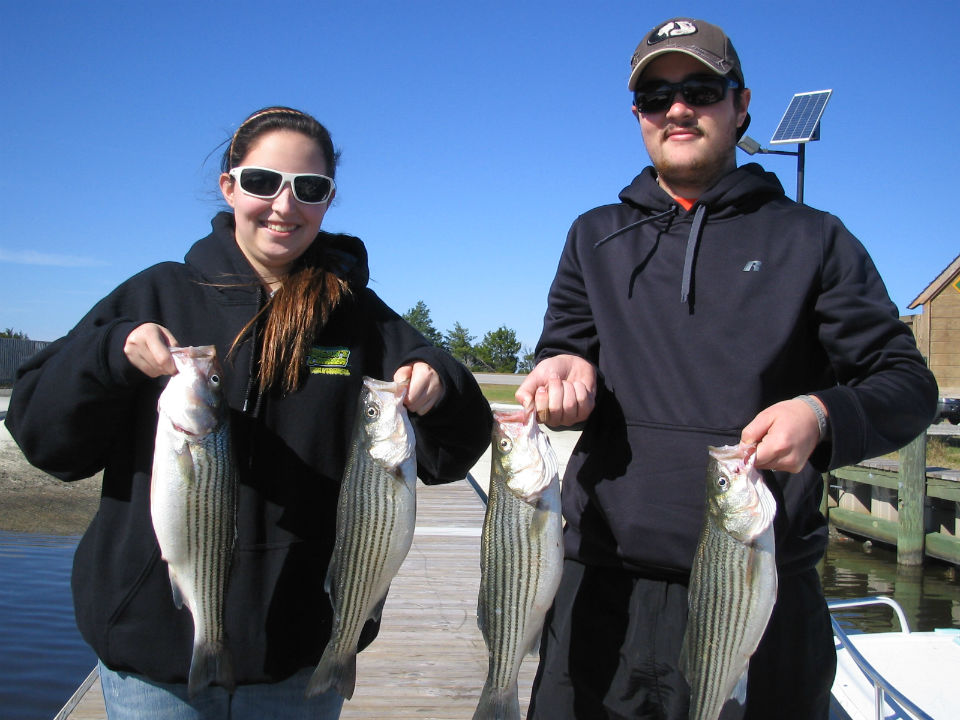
(252, 384)
(693, 240)
(611, 236)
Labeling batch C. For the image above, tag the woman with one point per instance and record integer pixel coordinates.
(287, 307)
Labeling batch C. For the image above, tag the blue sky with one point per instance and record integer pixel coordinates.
(472, 134)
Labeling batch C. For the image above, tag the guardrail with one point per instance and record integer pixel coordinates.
(883, 690)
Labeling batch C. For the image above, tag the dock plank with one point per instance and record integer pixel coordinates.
(429, 660)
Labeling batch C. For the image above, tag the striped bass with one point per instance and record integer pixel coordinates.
(376, 514)
(733, 582)
(521, 554)
(193, 504)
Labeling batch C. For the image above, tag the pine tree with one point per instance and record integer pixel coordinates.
(419, 317)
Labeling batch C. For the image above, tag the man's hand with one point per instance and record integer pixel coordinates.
(425, 389)
(785, 435)
(148, 349)
(562, 389)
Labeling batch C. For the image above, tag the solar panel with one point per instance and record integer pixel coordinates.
(801, 121)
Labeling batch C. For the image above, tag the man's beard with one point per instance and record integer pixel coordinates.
(703, 170)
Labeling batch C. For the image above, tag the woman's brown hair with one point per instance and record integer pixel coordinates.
(309, 292)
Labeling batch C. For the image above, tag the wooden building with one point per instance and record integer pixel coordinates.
(937, 328)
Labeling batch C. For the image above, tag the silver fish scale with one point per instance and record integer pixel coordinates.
(193, 508)
(724, 626)
(376, 514)
(211, 527)
(508, 549)
(371, 502)
(521, 558)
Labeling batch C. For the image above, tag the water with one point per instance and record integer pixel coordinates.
(43, 659)
(929, 596)
(42, 656)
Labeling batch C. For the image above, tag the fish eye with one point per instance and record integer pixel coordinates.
(372, 412)
(505, 445)
(215, 379)
(721, 482)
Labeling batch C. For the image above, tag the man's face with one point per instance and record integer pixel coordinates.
(691, 147)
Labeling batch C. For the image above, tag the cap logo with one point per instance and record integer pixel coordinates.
(675, 28)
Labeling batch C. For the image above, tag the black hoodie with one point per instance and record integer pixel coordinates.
(79, 406)
(697, 321)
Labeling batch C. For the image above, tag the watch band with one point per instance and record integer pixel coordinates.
(821, 415)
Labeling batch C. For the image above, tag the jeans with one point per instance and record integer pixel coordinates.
(134, 697)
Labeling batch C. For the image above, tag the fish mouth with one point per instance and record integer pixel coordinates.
(192, 430)
(511, 415)
(183, 430)
(735, 458)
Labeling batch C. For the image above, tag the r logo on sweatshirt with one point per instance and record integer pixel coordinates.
(752, 266)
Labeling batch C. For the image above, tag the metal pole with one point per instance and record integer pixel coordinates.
(801, 149)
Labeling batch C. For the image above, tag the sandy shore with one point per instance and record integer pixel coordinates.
(32, 501)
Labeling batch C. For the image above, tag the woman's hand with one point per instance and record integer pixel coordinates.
(425, 389)
(148, 350)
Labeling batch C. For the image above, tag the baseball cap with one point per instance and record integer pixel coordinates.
(696, 38)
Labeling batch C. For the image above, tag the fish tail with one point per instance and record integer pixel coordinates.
(334, 671)
(498, 704)
(211, 665)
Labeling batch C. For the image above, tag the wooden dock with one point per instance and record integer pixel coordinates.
(906, 504)
(430, 660)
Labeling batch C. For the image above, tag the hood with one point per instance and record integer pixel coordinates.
(219, 259)
(736, 193)
(346, 256)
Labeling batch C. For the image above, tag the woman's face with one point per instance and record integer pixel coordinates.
(273, 233)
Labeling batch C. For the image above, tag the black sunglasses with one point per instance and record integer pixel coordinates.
(265, 183)
(698, 91)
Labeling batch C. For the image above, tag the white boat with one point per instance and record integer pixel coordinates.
(897, 675)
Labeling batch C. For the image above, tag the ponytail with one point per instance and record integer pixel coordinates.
(295, 314)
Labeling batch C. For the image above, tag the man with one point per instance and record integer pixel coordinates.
(705, 308)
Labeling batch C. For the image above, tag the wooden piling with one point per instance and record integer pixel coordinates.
(912, 492)
(922, 519)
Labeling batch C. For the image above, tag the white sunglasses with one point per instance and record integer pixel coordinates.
(265, 183)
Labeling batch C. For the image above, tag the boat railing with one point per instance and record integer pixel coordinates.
(883, 690)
